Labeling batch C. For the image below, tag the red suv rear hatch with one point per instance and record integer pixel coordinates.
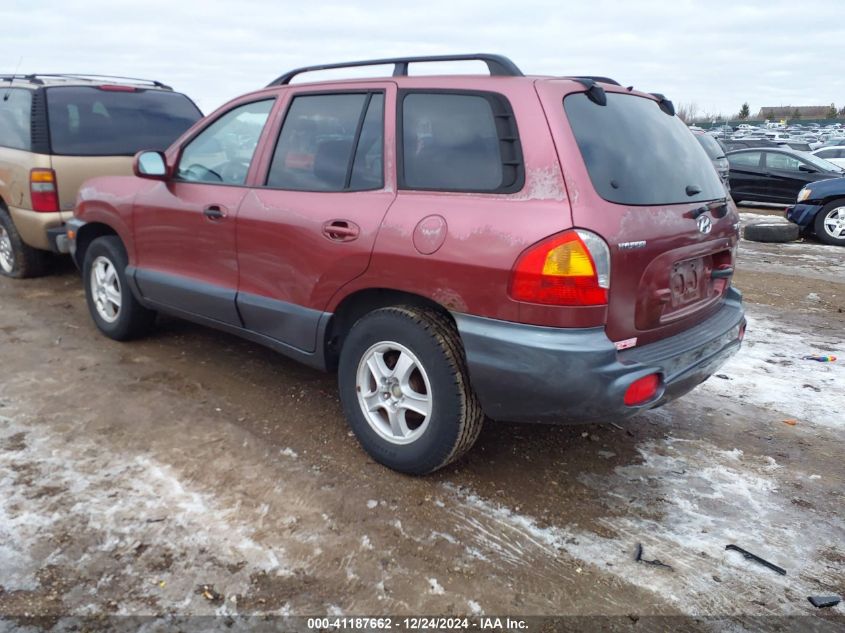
(637, 177)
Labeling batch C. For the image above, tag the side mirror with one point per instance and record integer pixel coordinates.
(150, 165)
(806, 168)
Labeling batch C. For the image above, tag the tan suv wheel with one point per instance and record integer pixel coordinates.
(18, 260)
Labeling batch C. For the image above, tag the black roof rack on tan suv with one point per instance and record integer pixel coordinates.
(42, 78)
(499, 65)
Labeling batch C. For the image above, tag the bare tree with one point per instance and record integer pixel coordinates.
(687, 112)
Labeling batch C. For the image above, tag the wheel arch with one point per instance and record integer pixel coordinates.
(86, 234)
(361, 302)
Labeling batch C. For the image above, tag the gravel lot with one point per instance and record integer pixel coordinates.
(193, 473)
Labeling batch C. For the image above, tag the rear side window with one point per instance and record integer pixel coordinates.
(459, 142)
(331, 142)
(745, 159)
(15, 118)
(91, 121)
(638, 155)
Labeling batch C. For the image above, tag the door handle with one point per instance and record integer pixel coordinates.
(214, 212)
(341, 230)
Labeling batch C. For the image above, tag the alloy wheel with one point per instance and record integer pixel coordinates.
(7, 256)
(105, 289)
(394, 392)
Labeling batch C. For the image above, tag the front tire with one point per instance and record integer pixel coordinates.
(829, 224)
(405, 389)
(115, 310)
(17, 259)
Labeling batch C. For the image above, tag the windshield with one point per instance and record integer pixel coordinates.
(711, 146)
(820, 163)
(636, 154)
(91, 121)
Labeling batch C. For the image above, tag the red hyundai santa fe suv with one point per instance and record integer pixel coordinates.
(539, 249)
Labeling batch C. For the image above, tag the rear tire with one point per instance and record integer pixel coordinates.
(779, 232)
(829, 224)
(17, 259)
(115, 310)
(405, 389)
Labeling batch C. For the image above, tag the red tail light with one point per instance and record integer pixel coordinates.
(43, 191)
(642, 390)
(567, 269)
(117, 88)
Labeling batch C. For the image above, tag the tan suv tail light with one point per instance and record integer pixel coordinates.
(43, 191)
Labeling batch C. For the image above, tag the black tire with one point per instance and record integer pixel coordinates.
(26, 262)
(776, 232)
(834, 206)
(132, 320)
(455, 418)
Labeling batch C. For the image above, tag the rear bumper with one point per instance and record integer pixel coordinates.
(526, 373)
(33, 226)
(803, 214)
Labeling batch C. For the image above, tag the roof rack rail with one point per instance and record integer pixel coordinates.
(38, 78)
(498, 65)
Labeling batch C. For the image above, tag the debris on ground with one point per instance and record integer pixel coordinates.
(657, 563)
(208, 592)
(826, 358)
(749, 556)
(822, 602)
(790, 422)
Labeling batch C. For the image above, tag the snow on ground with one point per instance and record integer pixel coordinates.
(684, 503)
(770, 372)
(120, 503)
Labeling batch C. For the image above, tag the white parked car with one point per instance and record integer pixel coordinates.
(835, 155)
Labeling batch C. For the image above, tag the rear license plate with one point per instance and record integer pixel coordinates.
(687, 282)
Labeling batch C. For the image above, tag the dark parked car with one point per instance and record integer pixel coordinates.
(455, 247)
(734, 144)
(716, 151)
(821, 210)
(775, 174)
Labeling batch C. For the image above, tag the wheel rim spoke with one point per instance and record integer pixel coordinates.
(418, 403)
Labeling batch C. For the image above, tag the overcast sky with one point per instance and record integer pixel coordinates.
(714, 53)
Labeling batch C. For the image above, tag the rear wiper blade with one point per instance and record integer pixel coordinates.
(719, 205)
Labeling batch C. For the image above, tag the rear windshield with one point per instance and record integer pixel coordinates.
(711, 145)
(95, 122)
(636, 154)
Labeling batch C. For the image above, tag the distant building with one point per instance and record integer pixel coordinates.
(788, 112)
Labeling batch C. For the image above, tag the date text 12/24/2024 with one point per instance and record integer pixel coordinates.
(417, 623)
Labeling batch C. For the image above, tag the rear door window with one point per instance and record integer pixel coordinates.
(459, 142)
(108, 121)
(782, 162)
(331, 142)
(638, 155)
(15, 117)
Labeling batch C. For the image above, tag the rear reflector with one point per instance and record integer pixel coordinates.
(642, 390)
(565, 269)
(42, 191)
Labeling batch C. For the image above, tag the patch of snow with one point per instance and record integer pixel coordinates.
(770, 372)
(474, 607)
(372, 503)
(289, 452)
(435, 587)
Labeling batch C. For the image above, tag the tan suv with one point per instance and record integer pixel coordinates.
(56, 131)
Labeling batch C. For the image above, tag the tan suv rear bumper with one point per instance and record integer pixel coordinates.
(33, 226)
